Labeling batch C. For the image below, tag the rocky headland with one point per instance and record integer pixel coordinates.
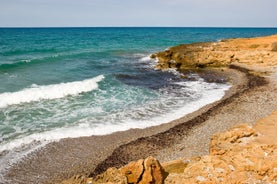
(248, 51)
(245, 153)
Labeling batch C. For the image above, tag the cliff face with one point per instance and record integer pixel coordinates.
(253, 51)
(244, 154)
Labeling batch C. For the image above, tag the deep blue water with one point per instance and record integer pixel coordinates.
(71, 82)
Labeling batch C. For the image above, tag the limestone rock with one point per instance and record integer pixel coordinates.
(153, 172)
(175, 166)
(251, 51)
(112, 175)
(274, 46)
(222, 142)
(78, 179)
(244, 154)
(133, 171)
(136, 172)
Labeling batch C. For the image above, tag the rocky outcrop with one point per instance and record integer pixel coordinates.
(142, 171)
(244, 154)
(235, 157)
(251, 51)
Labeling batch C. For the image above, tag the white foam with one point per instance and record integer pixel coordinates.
(54, 91)
(147, 61)
(210, 93)
(26, 60)
(173, 71)
(146, 58)
(18, 148)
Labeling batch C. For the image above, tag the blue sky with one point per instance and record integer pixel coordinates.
(187, 13)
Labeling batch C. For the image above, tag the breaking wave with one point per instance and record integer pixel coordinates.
(54, 91)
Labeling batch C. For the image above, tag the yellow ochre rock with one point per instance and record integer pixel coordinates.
(260, 51)
(136, 172)
(244, 154)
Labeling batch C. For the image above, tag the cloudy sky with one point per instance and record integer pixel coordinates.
(83, 13)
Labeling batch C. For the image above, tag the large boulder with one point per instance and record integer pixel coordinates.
(153, 172)
(133, 171)
(136, 172)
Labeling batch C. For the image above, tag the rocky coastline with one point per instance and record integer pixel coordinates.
(176, 152)
(246, 153)
(260, 52)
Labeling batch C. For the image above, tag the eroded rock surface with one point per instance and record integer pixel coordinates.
(140, 172)
(251, 51)
(244, 154)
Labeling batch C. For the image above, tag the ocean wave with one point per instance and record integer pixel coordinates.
(28, 51)
(28, 62)
(54, 91)
(168, 108)
(23, 62)
(149, 115)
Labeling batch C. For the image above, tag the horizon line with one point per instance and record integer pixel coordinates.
(135, 27)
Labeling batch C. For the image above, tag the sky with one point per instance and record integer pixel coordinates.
(139, 13)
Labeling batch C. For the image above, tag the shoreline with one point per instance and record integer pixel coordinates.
(152, 145)
(250, 98)
(72, 156)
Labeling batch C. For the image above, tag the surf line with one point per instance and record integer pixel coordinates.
(53, 91)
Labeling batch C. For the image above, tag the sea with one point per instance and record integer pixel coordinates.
(58, 83)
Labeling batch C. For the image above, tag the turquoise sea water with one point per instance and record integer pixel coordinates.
(71, 82)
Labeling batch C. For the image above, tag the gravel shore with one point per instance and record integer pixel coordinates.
(250, 99)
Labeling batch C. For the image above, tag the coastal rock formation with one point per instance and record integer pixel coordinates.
(244, 154)
(252, 51)
(140, 172)
(236, 156)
